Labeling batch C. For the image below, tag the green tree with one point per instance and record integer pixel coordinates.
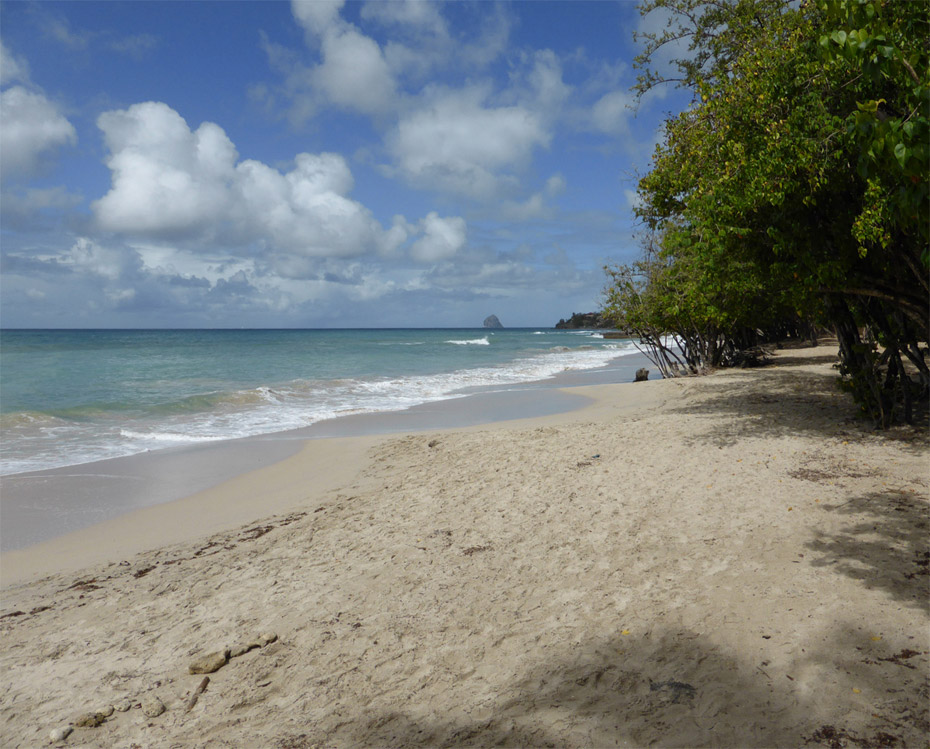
(796, 183)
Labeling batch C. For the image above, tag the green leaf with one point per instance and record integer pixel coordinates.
(900, 152)
(839, 37)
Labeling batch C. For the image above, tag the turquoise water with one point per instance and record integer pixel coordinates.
(74, 396)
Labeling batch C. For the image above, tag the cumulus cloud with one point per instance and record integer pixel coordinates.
(166, 179)
(357, 72)
(456, 143)
(33, 128)
(353, 73)
(442, 238)
(88, 256)
(172, 182)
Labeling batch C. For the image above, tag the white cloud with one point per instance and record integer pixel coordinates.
(541, 86)
(633, 198)
(306, 212)
(136, 46)
(612, 113)
(455, 143)
(415, 15)
(174, 184)
(491, 43)
(166, 179)
(555, 185)
(533, 207)
(12, 68)
(442, 238)
(58, 28)
(354, 73)
(358, 72)
(32, 128)
(91, 257)
(315, 16)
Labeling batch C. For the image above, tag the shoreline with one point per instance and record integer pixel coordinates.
(732, 560)
(41, 505)
(314, 467)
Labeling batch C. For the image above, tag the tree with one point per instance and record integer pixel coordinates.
(795, 185)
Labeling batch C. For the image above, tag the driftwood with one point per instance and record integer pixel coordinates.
(197, 692)
(756, 356)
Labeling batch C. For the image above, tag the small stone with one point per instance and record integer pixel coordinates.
(123, 706)
(267, 637)
(242, 649)
(89, 720)
(642, 375)
(207, 664)
(60, 734)
(152, 707)
(106, 711)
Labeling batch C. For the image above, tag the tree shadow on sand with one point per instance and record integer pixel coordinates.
(672, 688)
(785, 400)
(885, 546)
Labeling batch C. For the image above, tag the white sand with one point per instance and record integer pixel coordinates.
(722, 561)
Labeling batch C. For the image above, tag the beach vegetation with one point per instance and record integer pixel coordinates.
(793, 191)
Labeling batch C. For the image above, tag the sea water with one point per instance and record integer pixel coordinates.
(76, 396)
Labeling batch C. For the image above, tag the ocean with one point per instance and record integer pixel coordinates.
(69, 397)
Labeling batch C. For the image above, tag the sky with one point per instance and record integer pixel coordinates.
(317, 164)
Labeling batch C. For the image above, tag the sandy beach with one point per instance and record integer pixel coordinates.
(731, 561)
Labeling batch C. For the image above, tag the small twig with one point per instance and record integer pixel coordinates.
(197, 692)
(909, 69)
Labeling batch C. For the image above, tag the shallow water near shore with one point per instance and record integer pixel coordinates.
(44, 504)
(77, 396)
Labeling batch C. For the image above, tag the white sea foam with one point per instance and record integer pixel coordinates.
(175, 437)
(299, 403)
(472, 342)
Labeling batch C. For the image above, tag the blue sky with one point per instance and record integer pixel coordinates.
(316, 164)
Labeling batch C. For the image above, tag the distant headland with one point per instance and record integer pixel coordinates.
(584, 320)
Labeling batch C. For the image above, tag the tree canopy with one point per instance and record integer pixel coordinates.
(793, 190)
